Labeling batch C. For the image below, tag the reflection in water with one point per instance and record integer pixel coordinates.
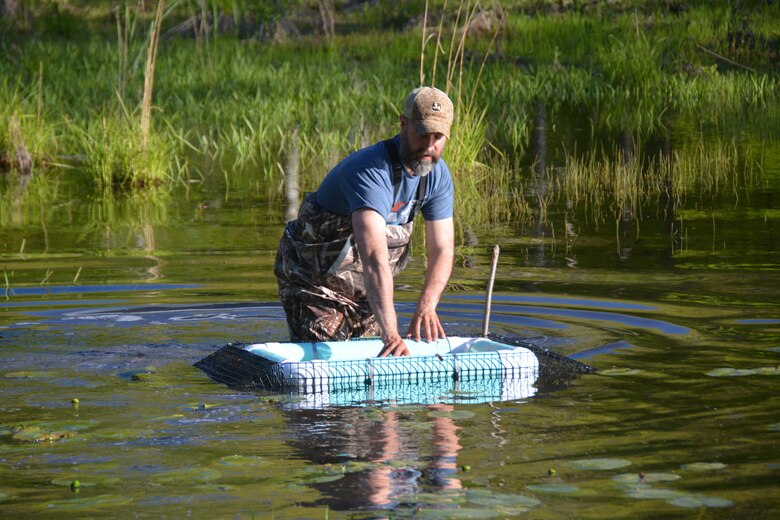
(628, 214)
(540, 185)
(395, 454)
(291, 189)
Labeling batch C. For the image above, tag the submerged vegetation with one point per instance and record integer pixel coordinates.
(239, 89)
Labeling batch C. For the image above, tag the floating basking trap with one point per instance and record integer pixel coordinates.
(455, 369)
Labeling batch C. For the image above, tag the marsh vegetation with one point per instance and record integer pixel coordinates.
(129, 98)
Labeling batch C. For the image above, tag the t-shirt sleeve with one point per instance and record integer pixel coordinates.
(367, 188)
(361, 180)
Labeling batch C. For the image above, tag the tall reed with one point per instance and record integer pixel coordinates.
(151, 60)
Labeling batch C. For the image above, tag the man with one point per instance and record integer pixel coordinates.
(337, 260)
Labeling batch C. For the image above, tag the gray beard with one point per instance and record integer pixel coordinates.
(419, 168)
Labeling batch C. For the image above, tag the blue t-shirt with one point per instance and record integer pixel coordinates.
(364, 180)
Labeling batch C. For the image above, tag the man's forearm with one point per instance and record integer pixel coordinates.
(379, 289)
(440, 246)
(437, 276)
(369, 228)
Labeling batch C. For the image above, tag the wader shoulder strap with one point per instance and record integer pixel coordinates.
(420, 197)
(395, 160)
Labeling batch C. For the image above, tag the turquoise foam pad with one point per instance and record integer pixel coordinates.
(476, 370)
(367, 348)
(329, 366)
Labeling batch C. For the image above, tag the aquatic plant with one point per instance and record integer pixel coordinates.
(229, 107)
(115, 154)
(623, 182)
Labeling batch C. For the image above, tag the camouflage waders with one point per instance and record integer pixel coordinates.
(320, 274)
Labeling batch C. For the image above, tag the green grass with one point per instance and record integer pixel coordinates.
(235, 104)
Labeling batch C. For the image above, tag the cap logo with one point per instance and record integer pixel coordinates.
(436, 107)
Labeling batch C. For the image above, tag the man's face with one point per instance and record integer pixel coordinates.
(420, 152)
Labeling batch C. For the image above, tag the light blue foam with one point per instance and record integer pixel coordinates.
(343, 366)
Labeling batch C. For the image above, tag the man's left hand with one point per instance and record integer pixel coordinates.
(428, 321)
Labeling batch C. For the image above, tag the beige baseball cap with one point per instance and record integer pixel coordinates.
(429, 110)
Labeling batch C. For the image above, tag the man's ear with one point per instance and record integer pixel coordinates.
(403, 121)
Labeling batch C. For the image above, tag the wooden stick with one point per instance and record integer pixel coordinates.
(489, 297)
(151, 59)
(724, 58)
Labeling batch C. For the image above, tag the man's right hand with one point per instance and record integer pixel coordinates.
(394, 346)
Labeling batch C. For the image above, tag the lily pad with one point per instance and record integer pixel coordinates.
(703, 466)
(636, 478)
(47, 431)
(697, 501)
(37, 434)
(599, 464)
(503, 500)
(436, 499)
(554, 489)
(321, 474)
(646, 492)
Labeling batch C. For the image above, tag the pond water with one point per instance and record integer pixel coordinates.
(107, 306)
